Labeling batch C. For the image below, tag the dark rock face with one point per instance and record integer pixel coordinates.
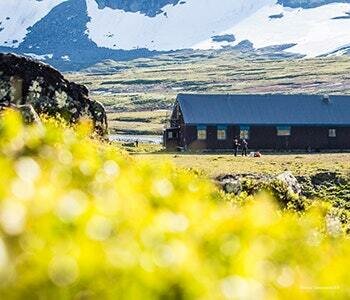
(277, 16)
(24, 81)
(223, 38)
(309, 3)
(148, 7)
(244, 46)
(344, 17)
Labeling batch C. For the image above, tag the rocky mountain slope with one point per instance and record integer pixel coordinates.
(148, 7)
(73, 34)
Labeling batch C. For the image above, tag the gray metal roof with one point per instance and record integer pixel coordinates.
(268, 109)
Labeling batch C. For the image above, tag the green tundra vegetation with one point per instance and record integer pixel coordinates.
(216, 164)
(82, 219)
(139, 94)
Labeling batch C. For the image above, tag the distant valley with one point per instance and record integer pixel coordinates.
(139, 94)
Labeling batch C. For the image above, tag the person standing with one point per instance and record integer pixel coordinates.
(244, 147)
(235, 146)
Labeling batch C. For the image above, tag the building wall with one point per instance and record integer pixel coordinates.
(265, 137)
(190, 134)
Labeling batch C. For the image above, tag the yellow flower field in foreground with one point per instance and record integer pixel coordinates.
(80, 219)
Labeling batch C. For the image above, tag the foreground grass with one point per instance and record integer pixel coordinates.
(214, 165)
(143, 148)
(80, 219)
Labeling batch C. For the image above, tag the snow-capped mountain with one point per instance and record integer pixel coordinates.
(75, 33)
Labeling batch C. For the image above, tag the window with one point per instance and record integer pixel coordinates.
(283, 130)
(201, 132)
(170, 135)
(332, 133)
(221, 133)
(244, 132)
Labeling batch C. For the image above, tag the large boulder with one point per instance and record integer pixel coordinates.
(25, 81)
(290, 181)
(284, 187)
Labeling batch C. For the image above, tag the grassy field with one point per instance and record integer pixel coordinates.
(139, 122)
(214, 165)
(139, 94)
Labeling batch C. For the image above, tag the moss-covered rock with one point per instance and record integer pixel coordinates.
(294, 192)
(24, 81)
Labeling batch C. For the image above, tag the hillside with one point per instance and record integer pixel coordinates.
(75, 34)
(139, 94)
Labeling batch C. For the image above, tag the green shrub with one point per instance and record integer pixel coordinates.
(80, 219)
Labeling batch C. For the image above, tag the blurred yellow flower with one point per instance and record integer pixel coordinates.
(79, 218)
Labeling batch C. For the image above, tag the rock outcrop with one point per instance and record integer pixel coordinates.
(148, 7)
(25, 81)
(291, 190)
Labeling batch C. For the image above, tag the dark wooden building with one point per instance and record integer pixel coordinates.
(269, 122)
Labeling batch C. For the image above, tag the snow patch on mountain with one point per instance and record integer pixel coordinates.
(314, 31)
(39, 57)
(178, 27)
(73, 34)
(17, 16)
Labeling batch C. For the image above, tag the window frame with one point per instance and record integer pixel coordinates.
(284, 130)
(244, 132)
(332, 133)
(202, 129)
(221, 129)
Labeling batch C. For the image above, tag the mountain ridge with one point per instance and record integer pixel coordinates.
(148, 7)
(73, 34)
